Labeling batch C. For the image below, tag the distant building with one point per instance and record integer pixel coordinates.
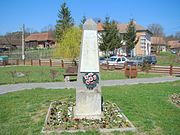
(143, 47)
(158, 44)
(40, 40)
(174, 45)
(10, 42)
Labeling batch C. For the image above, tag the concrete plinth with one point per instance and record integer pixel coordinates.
(88, 105)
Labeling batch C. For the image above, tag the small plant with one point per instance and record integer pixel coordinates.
(41, 74)
(27, 73)
(146, 66)
(13, 75)
(53, 74)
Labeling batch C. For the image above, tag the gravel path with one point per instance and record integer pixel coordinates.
(61, 85)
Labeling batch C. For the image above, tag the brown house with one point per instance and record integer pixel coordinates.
(40, 40)
(12, 41)
(143, 47)
(158, 44)
(174, 45)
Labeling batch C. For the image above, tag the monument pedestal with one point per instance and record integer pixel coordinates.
(88, 105)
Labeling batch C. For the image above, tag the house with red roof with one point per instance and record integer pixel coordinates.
(174, 45)
(40, 40)
(158, 44)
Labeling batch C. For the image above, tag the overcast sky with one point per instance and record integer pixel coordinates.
(36, 14)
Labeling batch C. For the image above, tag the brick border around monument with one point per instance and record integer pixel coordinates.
(132, 128)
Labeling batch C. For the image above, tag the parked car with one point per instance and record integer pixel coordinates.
(117, 60)
(102, 60)
(138, 60)
(3, 50)
(151, 59)
(173, 51)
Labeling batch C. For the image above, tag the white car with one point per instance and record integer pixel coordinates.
(117, 60)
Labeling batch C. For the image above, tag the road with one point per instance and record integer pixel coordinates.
(62, 85)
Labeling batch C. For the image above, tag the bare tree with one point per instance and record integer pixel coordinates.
(13, 38)
(8, 38)
(49, 28)
(173, 37)
(30, 30)
(156, 29)
(177, 35)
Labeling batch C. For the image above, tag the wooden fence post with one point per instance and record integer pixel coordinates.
(24, 61)
(107, 65)
(17, 62)
(3, 63)
(130, 72)
(50, 62)
(170, 70)
(62, 63)
(39, 62)
(31, 62)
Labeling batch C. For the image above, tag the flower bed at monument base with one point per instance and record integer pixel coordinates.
(60, 119)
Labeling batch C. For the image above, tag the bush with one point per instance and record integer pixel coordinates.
(146, 66)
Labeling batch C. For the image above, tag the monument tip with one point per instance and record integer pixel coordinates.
(90, 25)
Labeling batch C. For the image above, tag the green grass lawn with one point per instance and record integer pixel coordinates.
(115, 75)
(42, 74)
(45, 53)
(36, 74)
(146, 105)
(166, 58)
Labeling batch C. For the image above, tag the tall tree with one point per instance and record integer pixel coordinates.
(69, 46)
(82, 21)
(110, 38)
(156, 29)
(65, 21)
(130, 37)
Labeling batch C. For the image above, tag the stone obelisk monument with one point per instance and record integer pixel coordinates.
(88, 93)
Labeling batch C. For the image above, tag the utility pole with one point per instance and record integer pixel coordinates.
(23, 53)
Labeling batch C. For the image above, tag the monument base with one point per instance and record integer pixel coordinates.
(88, 105)
(57, 121)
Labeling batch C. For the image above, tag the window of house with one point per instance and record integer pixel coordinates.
(148, 37)
(143, 42)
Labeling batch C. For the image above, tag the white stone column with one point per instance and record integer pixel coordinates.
(88, 94)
